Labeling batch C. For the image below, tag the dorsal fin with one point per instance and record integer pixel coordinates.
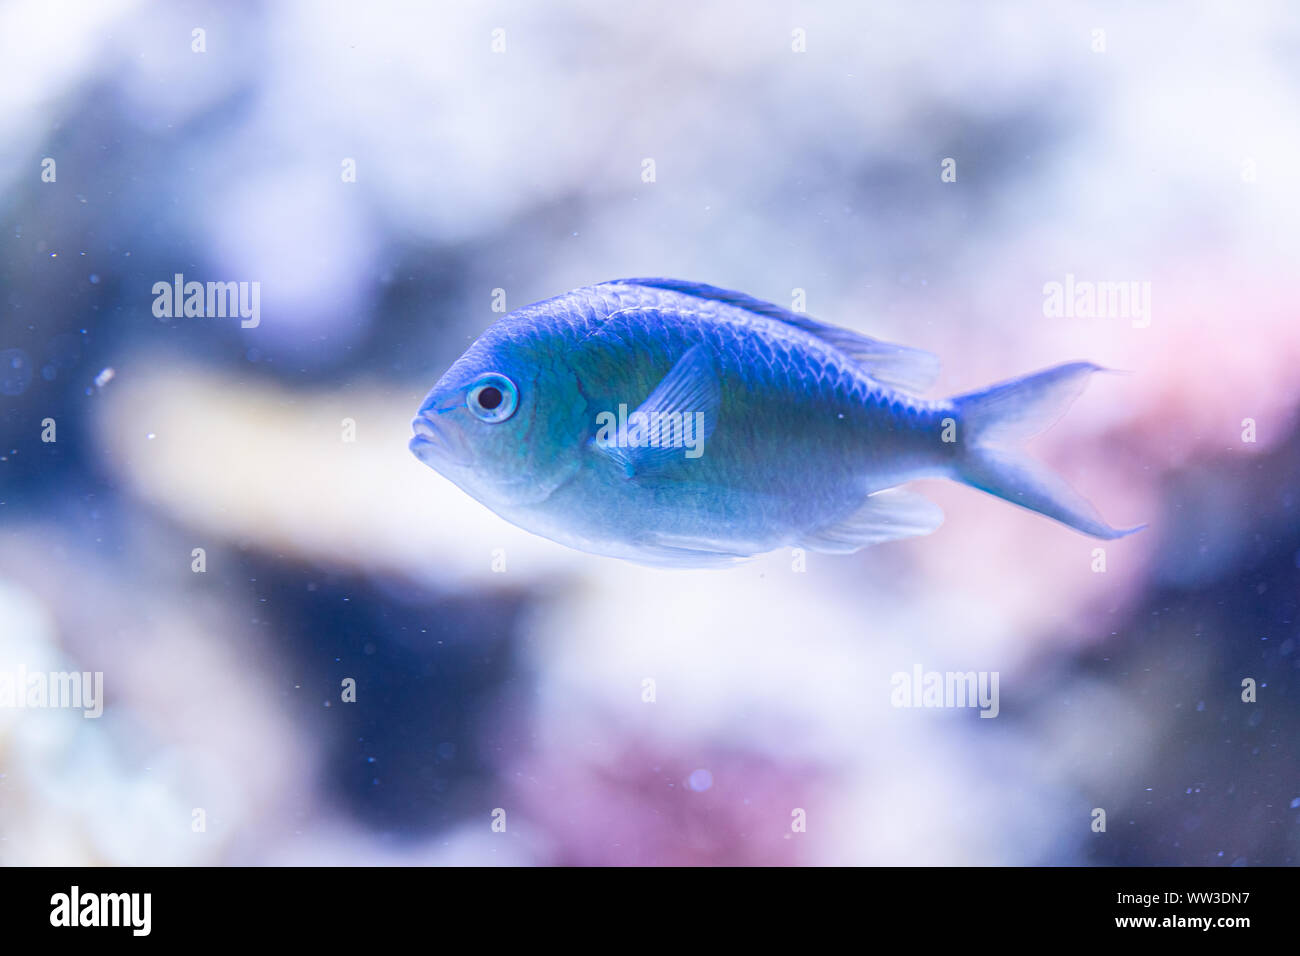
(911, 370)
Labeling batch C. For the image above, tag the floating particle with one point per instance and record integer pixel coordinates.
(15, 372)
(700, 780)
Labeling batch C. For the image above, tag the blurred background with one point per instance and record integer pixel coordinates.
(381, 170)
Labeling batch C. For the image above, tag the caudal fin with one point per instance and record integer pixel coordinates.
(997, 419)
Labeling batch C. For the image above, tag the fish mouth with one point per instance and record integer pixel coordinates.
(435, 446)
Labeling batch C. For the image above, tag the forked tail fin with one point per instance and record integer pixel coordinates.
(997, 419)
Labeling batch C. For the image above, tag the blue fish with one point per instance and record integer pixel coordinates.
(677, 424)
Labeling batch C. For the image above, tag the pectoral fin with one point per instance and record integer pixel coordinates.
(673, 424)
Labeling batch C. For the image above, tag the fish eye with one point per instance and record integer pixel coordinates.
(493, 398)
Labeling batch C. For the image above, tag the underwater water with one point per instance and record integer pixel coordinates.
(296, 643)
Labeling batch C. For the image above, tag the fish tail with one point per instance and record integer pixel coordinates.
(998, 419)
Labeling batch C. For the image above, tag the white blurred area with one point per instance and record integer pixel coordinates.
(1125, 164)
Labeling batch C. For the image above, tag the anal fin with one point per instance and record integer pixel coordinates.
(885, 516)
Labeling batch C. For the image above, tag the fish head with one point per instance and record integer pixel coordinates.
(505, 421)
